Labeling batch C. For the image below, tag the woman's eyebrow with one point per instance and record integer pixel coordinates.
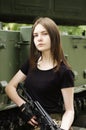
(40, 32)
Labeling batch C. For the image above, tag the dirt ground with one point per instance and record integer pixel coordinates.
(78, 128)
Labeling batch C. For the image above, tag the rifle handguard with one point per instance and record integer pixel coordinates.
(27, 113)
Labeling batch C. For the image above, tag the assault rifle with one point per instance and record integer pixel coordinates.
(44, 119)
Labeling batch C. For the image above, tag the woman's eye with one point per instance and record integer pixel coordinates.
(35, 35)
(45, 33)
(41, 34)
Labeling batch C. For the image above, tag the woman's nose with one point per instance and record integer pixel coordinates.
(39, 37)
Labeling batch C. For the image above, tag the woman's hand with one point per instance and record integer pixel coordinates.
(33, 121)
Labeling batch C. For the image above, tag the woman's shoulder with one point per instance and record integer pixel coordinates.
(66, 76)
(64, 69)
(25, 67)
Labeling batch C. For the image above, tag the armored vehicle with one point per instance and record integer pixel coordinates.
(14, 48)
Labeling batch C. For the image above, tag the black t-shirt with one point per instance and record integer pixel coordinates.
(45, 85)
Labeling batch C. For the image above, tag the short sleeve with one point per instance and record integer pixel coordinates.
(67, 79)
(25, 67)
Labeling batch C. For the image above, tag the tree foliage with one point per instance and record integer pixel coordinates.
(72, 30)
(69, 30)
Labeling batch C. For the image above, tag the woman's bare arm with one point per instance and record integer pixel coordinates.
(68, 116)
(12, 85)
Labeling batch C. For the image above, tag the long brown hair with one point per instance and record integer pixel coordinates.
(56, 47)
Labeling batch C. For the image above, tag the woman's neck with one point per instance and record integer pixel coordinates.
(46, 62)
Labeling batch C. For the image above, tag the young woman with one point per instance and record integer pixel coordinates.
(47, 75)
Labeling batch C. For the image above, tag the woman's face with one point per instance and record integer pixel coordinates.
(41, 38)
